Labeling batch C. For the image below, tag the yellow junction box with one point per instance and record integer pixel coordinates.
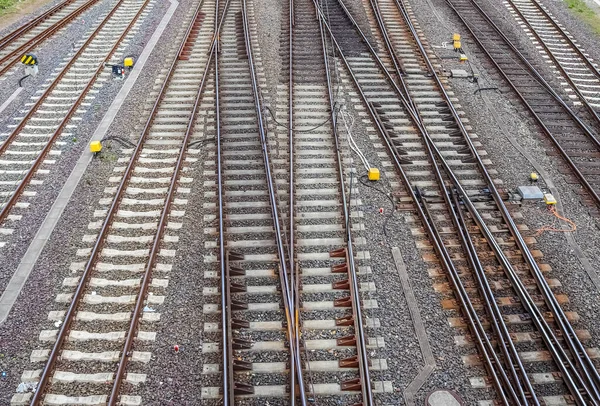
(462, 58)
(373, 174)
(95, 146)
(533, 176)
(457, 45)
(128, 62)
(549, 199)
(456, 37)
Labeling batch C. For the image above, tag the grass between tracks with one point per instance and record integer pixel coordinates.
(6, 6)
(584, 12)
(12, 10)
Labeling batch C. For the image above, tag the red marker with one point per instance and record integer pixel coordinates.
(176, 348)
(381, 210)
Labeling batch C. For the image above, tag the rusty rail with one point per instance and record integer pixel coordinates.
(14, 56)
(363, 384)
(94, 255)
(8, 205)
(32, 23)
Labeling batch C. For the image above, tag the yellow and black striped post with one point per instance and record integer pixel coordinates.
(29, 60)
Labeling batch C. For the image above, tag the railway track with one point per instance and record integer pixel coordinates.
(481, 263)
(310, 283)
(579, 69)
(30, 149)
(115, 295)
(572, 132)
(25, 38)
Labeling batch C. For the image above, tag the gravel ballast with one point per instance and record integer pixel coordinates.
(176, 378)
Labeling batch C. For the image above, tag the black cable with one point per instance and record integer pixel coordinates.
(123, 141)
(390, 198)
(293, 129)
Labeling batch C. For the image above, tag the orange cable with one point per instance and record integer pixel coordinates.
(552, 210)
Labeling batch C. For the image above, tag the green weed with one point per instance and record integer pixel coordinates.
(585, 13)
(6, 5)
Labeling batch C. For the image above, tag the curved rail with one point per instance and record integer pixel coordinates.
(579, 383)
(101, 240)
(492, 360)
(520, 388)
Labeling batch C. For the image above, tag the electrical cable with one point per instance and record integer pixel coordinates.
(361, 179)
(351, 141)
(294, 129)
(552, 210)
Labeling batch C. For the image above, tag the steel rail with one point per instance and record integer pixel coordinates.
(396, 61)
(505, 341)
(575, 345)
(226, 297)
(228, 385)
(585, 60)
(558, 353)
(576, 348)
(361, 347)
(509, 352)
(583, 56)
(546, 130)
(291, 253)
(16, 54)
(84, 280)
(536, 75)
(72, 110)
(367, 390)
(32, 23)
(492, 361)
(283, 272)
(125, 354)
(490, 357)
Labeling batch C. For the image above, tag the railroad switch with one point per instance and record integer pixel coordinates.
(549, 199)
(373, 174)
(95, 147)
